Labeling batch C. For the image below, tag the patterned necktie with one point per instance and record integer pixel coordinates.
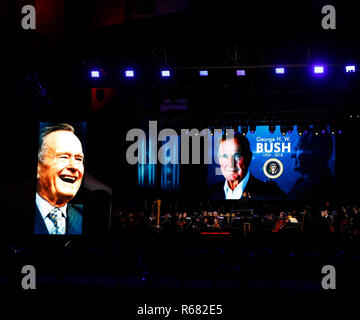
(55, 216)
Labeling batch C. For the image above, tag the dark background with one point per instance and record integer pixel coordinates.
(45, 77)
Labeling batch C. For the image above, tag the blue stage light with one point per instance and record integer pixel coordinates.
(350, 68)
(203, 73)
(318, 69)
(280, 70)
(165, 73)
(129, 73)
(240, 73)
(95, 74)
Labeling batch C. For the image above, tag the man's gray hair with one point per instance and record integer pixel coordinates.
(46, 131)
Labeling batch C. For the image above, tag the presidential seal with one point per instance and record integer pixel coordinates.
(273, 168)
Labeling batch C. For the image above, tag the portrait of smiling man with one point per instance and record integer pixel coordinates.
(59, 175)
(235, 156)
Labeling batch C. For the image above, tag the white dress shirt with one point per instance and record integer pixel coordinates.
(238, 191)
(45, 208)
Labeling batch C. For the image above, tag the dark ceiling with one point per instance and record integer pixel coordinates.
(72, 36)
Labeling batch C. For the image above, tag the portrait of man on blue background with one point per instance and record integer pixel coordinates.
(290, 165)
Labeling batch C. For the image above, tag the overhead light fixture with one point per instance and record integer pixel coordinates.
(317, 129)
(350, 68)
(240, 73)
(302, 129)
(333, 128)
(252, 128)
(318, 69)
(165, 73)
(283, 129)
(129, 74)
(244, 130)
(95, 74)
(280, 70)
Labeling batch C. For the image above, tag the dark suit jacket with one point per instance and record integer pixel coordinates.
(73, 220)
(255, 188)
